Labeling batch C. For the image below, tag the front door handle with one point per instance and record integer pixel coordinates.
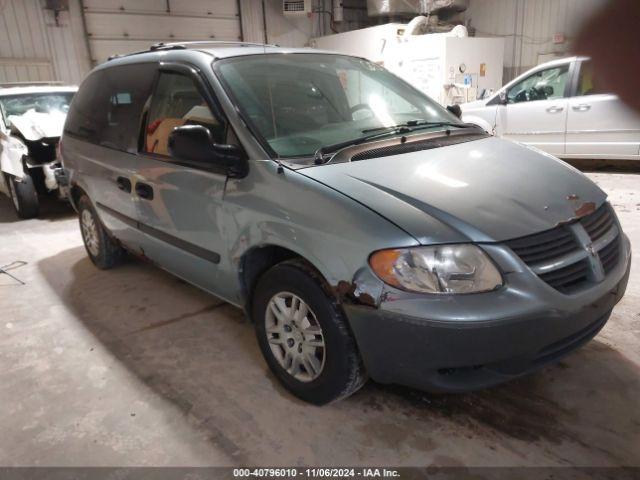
(124, 184)
(555, 109)
(144, 190)
(583, 107)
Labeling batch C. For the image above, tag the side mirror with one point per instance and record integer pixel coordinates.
(503, 98)
(456, 110)
(195, 144)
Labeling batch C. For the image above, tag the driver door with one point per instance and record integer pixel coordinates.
(536, 110)
(179, 205)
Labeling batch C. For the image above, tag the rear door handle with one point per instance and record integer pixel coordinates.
(555, 109)
(583, 107)
(124, 184)
(144, 190)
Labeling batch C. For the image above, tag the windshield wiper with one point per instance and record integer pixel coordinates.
(318, 156)
(411, 124)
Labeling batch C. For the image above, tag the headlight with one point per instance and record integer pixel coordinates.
(437, 269)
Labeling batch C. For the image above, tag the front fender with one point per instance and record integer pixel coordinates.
(11, 152)
(481, 122)
(333, 232)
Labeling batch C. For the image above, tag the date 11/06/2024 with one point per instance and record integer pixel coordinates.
(315, 472)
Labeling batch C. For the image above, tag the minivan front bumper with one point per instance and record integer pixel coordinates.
(468, 342)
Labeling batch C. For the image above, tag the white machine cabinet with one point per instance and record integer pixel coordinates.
(449, 67)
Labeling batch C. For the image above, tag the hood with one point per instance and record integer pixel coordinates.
(484, 191)
(37, 125)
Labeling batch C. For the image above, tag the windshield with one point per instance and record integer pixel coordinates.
(40, 102)
(299, 103)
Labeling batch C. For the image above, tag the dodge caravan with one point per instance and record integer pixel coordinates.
(366, 231)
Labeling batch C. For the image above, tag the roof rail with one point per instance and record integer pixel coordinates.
(197, 43)
(184, 45)
(29, 84)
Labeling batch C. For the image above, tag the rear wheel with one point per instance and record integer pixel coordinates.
(24, 196)
(104, 251)
(304, 336)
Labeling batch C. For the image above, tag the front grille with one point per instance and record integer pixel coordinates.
(542, 251)
(545, 246)
(569, 278)
(599, 222)
(610, 255)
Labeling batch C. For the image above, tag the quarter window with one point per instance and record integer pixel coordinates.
(177, 102)
(587, 83)
(543, 85)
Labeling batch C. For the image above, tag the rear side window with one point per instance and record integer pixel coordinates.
(107, 108)
(176, 102)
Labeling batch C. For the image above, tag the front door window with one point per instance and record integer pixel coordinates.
(177, 102)
(546, 84)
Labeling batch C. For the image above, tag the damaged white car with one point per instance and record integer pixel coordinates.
(31, 122)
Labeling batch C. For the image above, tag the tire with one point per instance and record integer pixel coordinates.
(104, 251)
(337, 370)
(23, 196)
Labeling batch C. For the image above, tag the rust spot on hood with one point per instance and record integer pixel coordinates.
(580, 209)
(586, 208)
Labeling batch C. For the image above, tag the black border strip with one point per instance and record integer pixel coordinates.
(188, 247)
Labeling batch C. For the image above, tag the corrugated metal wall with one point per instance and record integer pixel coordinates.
(528, 27)
(34, 48)
(124, 26)
(284, 31)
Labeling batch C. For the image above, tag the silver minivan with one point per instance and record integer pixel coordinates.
(366, 231)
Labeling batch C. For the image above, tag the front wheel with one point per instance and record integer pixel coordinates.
(24, 196)
(304, 336)
(104, 251)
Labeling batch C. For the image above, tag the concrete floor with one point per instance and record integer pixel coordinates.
(134, 367)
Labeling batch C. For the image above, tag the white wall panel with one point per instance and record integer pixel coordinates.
(528, 27)
(124, 26)
(34, 48)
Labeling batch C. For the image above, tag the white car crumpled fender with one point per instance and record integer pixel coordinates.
(36, 125)
(11, 152)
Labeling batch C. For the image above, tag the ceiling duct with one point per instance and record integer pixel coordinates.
(410, 8)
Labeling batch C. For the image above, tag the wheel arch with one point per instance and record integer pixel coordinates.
(75, 193)
(258, 259)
